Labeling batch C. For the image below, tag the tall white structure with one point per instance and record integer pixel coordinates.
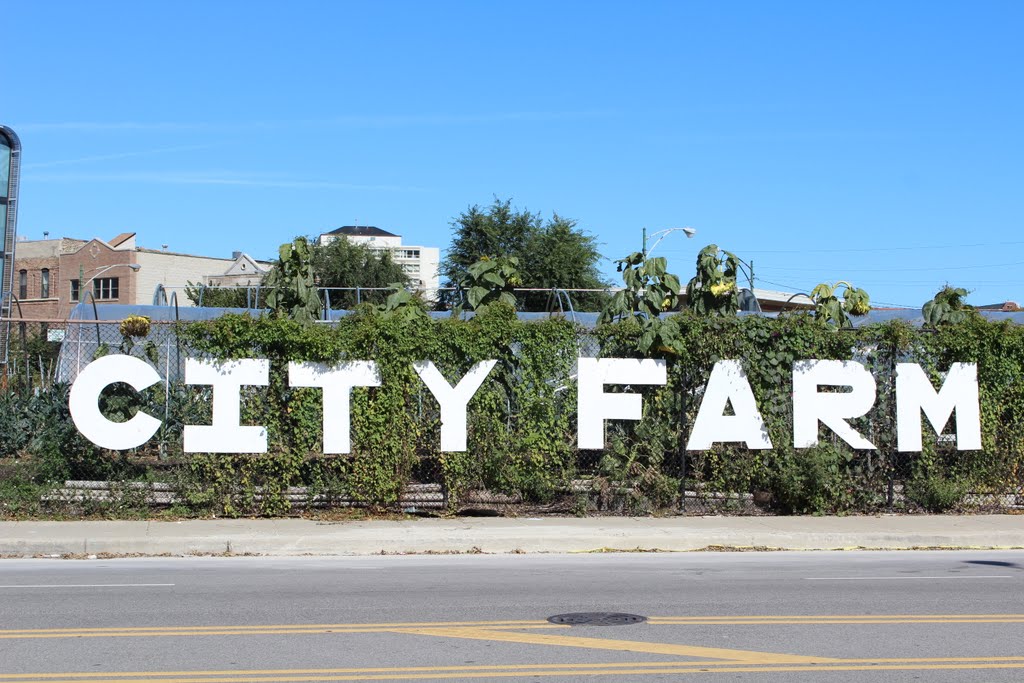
(419, 263)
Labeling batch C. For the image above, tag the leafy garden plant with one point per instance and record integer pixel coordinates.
(650, 290)
(947, 307)
(291, 284)
(829, 307)
(713, 290)
(489, 281)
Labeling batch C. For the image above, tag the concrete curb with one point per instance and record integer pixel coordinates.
(500, 535)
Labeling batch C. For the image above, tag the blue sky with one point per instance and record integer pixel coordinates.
(876, 142)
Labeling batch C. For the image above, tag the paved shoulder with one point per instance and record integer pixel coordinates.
(506, 535)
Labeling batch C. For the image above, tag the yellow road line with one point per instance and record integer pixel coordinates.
(280, 629)
(632, 668)
(811, 617)
(477, 667)
(719, 621)
(312, 629)
(619, 645)
(396, 669)
(220, 627)
(262, 632)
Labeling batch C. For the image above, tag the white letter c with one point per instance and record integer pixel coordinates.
(83, 402)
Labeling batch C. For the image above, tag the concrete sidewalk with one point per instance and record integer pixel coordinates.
(503, 535)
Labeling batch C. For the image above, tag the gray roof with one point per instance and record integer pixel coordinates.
(361, 231)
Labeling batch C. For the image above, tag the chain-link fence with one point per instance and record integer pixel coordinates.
(45, 356)
(44, 353)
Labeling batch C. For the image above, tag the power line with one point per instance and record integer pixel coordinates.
(882, 249)
(891, 269)
(800, 290)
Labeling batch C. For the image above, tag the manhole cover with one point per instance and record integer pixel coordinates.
(597, 619)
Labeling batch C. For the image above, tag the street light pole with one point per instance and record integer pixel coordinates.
(81, 274)
(662, 234)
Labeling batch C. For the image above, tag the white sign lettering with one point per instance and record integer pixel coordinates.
(337, 382)
(595, 406)
(831, 409)
(915, 394)
(453, 400)
(84, 402)
(727, 385)
(225, 434)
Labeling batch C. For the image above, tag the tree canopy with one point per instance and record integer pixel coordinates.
(341, 263)
(551, 254)
(216, 296)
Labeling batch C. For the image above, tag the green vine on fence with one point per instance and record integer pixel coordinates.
(522, 421)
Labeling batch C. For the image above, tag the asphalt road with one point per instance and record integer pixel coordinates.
(831, 616)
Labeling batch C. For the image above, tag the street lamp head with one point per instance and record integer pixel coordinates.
(690, 232)
(134, 266)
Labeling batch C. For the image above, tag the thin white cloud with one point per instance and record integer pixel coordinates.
(353, 121)
(109, 157)
(212, 179)
(463, 119)
(101, 126)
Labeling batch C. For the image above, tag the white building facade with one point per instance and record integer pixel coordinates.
(419, 263)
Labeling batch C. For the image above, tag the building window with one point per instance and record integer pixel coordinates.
(105, 288)
(44, 284)
(74, 290)
(23, 284)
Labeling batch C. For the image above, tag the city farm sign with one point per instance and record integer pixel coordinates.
(727, 385)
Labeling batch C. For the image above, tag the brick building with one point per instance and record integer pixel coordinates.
(49, 274)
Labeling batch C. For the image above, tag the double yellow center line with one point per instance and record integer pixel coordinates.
(692, 659)
(298, 629)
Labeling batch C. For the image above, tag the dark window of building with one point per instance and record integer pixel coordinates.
(105, 288)
(5, 166)
(22, 284)
(44, 284)
(74, 290)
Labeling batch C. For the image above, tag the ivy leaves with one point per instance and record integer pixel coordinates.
(403, 305)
